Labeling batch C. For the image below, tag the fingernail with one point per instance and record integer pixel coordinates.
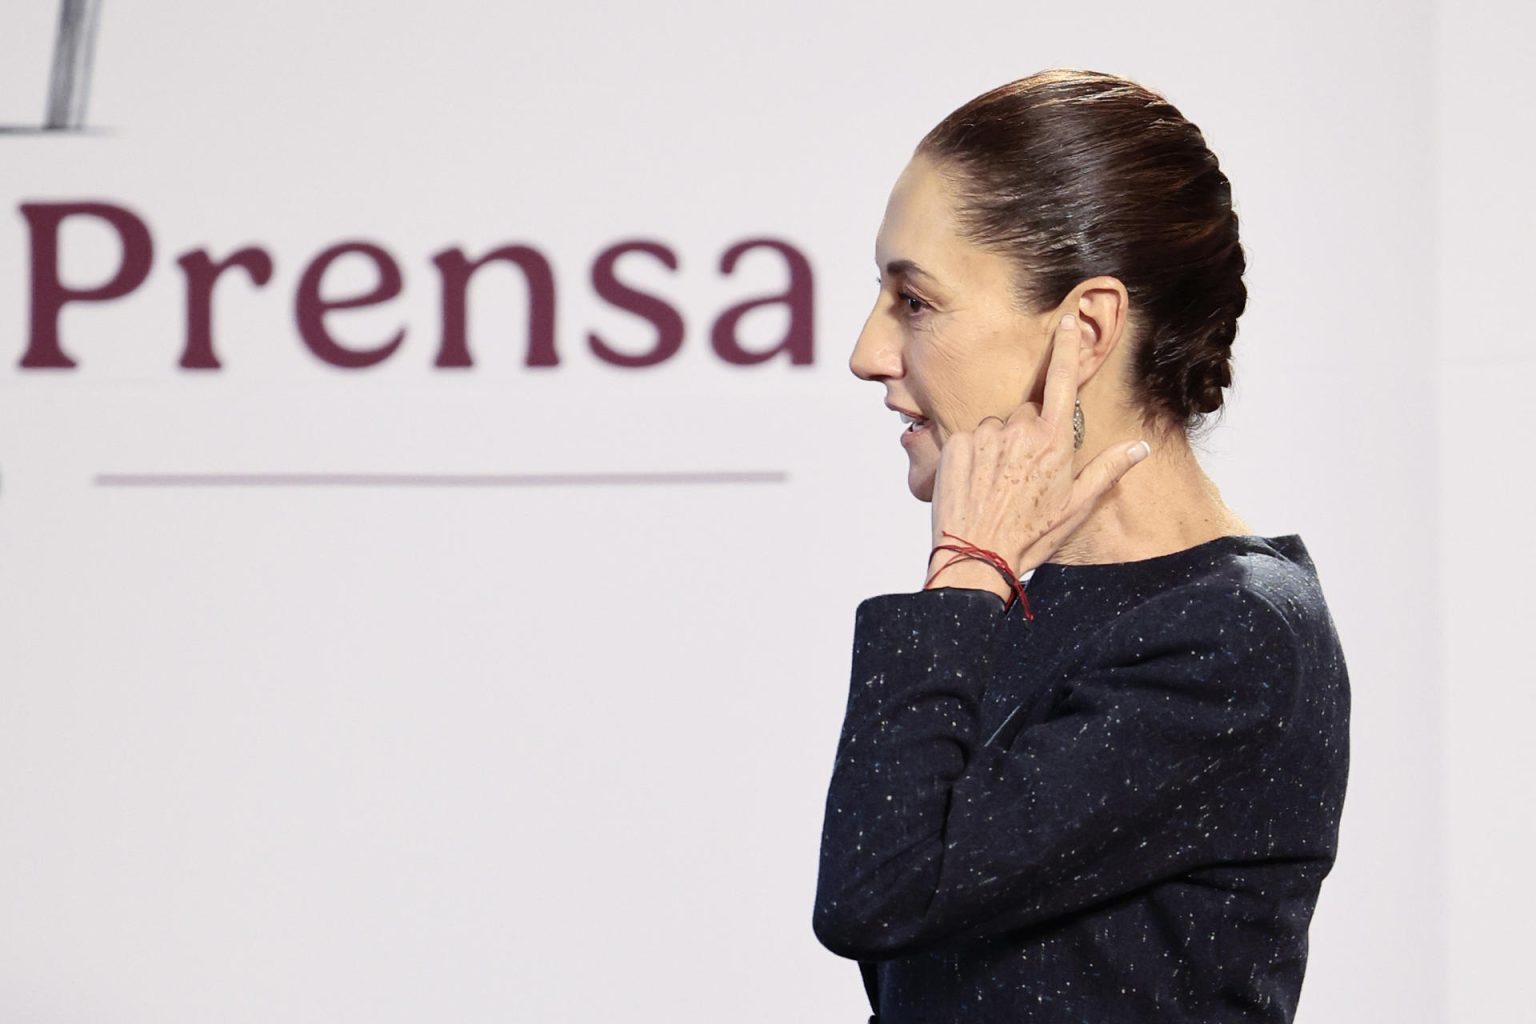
(1138, 451)
(1069, 321)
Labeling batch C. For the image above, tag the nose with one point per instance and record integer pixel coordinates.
(877, 352)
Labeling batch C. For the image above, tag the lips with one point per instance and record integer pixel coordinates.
(916, 423)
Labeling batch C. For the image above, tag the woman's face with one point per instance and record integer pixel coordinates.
(944, 336)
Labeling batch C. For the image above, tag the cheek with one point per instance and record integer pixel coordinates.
(979, 369)
(946, 371)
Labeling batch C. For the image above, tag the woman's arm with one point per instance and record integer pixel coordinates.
(1166, 756)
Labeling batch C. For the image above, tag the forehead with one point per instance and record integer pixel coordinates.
(922, 225)
(919, 216)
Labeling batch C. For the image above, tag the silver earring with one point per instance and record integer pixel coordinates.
(1077, 425)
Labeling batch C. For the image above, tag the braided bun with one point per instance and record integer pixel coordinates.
(1073, 174)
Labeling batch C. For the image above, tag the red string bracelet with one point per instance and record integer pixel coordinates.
(997, 562)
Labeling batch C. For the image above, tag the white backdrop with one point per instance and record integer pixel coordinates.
(557, 752)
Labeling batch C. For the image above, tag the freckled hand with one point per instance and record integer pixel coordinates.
(1008, 486)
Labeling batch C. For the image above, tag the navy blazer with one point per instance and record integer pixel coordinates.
(1121, 810)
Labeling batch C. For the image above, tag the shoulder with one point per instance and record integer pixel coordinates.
(1252, 624)
(1253, 593)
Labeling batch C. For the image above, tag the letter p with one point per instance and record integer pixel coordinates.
(50, 294)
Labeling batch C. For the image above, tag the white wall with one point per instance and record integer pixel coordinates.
(559, 753)
(1484, 365)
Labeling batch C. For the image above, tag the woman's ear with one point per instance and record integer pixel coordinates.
(1102, 305)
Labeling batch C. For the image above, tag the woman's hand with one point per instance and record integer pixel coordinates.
(1008, 486)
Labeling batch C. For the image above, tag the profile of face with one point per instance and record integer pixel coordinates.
(946, 336)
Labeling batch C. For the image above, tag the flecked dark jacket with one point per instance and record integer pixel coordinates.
(1119, 811)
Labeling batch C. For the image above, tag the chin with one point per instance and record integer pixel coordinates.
(920, 482)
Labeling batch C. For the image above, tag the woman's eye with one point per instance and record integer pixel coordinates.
(913, 303)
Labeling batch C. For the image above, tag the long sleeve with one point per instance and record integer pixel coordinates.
(1157, 757)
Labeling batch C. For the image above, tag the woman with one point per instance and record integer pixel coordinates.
(1111, 795)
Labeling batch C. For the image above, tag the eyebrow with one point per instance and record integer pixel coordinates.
(909, 268)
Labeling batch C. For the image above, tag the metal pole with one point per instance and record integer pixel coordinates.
(70, 85)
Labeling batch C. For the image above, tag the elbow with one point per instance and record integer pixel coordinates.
(862, 936)
(838, 933)
(882, 914)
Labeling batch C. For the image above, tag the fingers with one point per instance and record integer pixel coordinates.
(1105, 471)
(985, 442)
(1028, 412)
(955, 459)
(1061, 375)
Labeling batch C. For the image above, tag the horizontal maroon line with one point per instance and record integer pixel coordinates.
(429, 479)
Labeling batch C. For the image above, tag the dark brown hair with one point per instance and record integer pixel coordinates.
(1072, 174)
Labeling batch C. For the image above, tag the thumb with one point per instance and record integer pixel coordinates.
(1107, 468)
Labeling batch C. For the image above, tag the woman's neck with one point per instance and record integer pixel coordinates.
(1165, 503)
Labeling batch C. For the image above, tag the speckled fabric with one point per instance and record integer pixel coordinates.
(1120, 811)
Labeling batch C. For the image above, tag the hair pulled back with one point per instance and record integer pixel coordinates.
(1071, 174)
